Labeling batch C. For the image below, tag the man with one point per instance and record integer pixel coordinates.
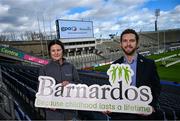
(145, 72)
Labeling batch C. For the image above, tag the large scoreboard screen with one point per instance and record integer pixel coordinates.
(74, 29)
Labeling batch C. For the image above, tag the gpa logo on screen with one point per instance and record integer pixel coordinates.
(73, 28)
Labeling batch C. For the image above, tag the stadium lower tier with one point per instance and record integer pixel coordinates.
(22, 83)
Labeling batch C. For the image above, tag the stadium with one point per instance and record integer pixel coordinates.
(20, 62)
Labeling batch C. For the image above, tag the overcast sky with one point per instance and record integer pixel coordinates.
(108, 16)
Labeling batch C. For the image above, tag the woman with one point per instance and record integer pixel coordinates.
(63, 72)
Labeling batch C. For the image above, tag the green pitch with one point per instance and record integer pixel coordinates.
(171, 73)
(154, 57)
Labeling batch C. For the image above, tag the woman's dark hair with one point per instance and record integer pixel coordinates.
(53, 42)
(130, 31)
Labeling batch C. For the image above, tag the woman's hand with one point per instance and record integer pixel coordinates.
(106, 112)
(64, 83)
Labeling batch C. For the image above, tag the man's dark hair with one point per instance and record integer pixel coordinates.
(53, 42)
(130, 31)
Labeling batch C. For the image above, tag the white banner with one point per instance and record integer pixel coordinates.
(75, 29)
(117, 97)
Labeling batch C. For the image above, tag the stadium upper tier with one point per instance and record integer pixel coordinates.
(89, 52)
(87, 45)
(108, 46)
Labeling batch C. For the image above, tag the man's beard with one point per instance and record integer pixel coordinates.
(129, 53)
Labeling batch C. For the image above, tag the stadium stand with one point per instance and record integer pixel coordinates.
(6, 105)
(82, 61)
(10, 110)
(22, 90)
(22, 82)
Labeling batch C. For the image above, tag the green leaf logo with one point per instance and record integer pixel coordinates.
(120, 72)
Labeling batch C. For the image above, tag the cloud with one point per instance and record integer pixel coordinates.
(108, 16)
(4, 9)
(170, 19)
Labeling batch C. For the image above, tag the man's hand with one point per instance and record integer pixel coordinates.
(148, 114)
